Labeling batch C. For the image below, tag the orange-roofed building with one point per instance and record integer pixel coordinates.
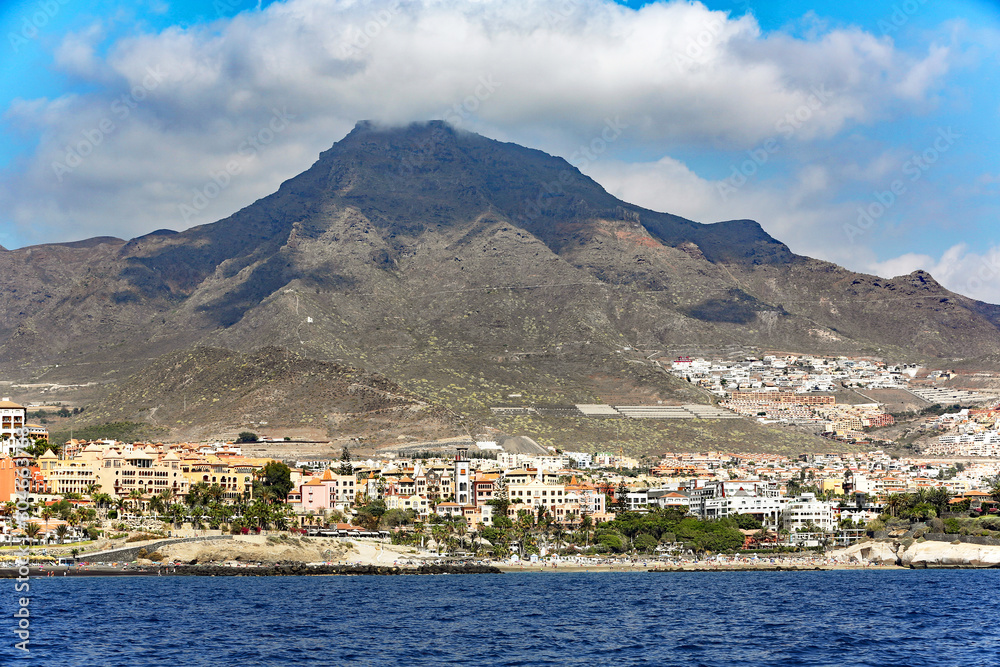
(483, 487)
(327, 491)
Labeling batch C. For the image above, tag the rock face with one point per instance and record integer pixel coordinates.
(918, 555)
(945, 554)
(879, 553)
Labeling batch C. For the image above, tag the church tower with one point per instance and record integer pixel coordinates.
(462, 481)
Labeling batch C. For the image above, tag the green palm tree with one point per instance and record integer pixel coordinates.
(218, 514)
(177, 513)
(31, 531)
(940, 498)
(47, 514)
(166, 495)
(62, 530)
(156, 504)
(440, 535)
(585, 523)
(135, 495)
(215, 492)
(894, 502)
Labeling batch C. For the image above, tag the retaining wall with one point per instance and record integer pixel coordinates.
(127, 554)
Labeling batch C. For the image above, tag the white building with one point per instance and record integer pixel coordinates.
(657, 498)
(766, 509)
(805, 512)
(699, 496)
(581, 459)
(718, 499)
(12, 418)
(462, 479)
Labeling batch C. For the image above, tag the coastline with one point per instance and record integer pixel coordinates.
(358, 569)
(259, 556)
(702, 566)
(275, 570)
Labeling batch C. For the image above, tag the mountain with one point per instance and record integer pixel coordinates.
(464, 269)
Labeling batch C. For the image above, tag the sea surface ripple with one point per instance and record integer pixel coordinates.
(898, 618)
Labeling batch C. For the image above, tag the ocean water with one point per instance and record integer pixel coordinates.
(919, 618)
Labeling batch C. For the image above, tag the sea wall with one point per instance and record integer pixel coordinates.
(128, 554)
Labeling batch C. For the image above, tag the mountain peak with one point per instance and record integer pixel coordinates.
(431, 172)
(423, 250)
(923, 279)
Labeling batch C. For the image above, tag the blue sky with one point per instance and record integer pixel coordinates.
(863, 133)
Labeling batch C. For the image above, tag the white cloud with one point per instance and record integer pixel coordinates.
(924, 74)
(76, 53)
(181, 102)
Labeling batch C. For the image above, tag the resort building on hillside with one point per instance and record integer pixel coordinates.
(234, 474)
(118, 473)
(325, 492)
(806, 512)
(12, 418)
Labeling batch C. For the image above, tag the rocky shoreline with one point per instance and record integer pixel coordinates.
(273, 570)
(300, 569)
(744, 568)
(924, 554)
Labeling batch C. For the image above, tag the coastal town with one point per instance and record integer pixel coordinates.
(477, 499)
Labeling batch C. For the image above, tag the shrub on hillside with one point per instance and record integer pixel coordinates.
(143, 537)
(990, 522)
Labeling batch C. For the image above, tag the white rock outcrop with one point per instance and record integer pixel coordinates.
(947, 554)
(879, 553)
(921, 554)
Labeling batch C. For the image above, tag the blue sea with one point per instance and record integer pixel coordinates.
(919, 618)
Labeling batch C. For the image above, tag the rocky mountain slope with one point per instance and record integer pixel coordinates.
(210, 392)
(466, 270)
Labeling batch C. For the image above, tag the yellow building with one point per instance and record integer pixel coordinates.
(235, 474)
(47, 461)
(831, 484)
(117, 472)
(72, 477)
(414, 502)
